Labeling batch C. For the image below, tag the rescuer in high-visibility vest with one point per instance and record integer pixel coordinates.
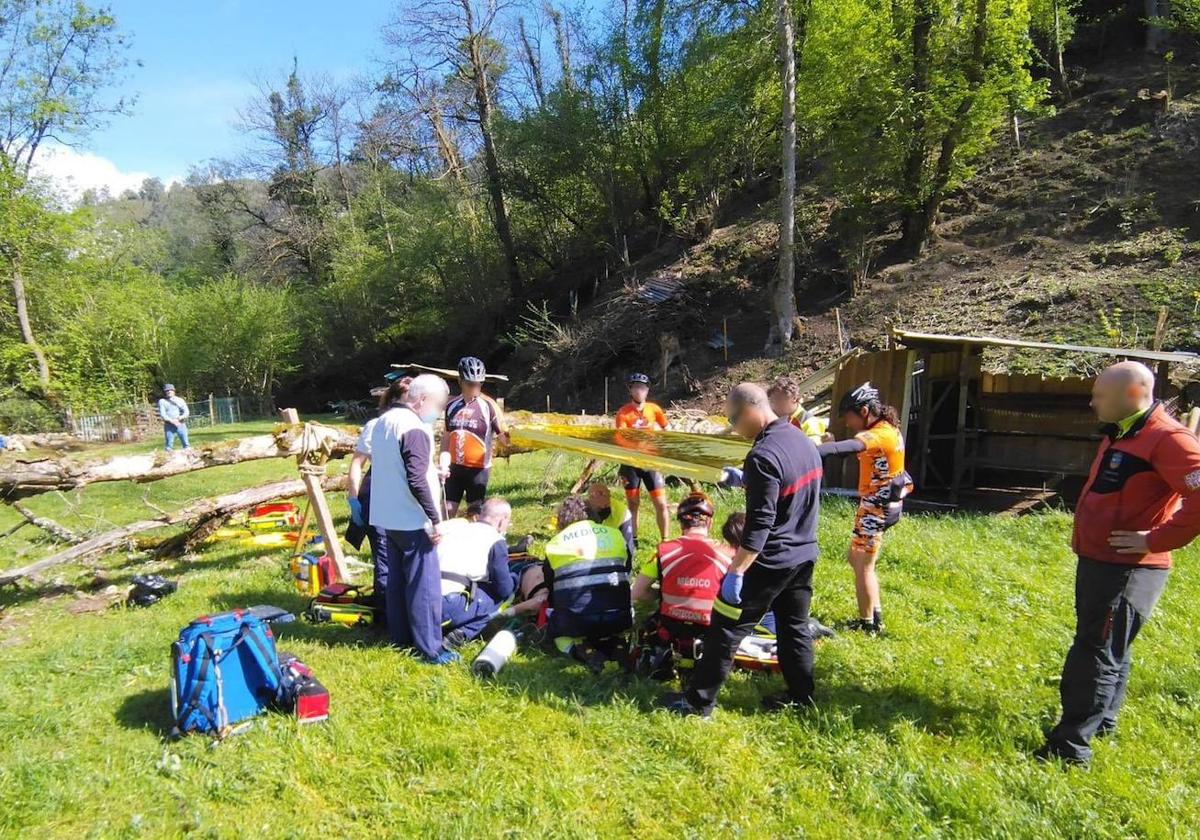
(587, 568)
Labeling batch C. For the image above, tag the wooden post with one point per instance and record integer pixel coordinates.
(320, 507)
(925, 420)
(1162, 380)
(725, 338)
(606, 395)
(837, 313)
(1160, 330)
(547, 403)
(960, 426)
(212, 411)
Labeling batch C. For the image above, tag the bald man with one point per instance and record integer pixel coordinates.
(1141, 501)
(773, 565)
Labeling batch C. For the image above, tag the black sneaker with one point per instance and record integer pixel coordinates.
(454, 639)
(677, 704)
(866, 626)
(784, 702)
(1047, 753)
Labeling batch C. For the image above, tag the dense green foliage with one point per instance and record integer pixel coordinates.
(924, 733)
(478, 170)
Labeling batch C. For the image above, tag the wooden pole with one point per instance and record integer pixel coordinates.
(212, 411)
(837, 313)
(1192, 420)
(725, 338)
(547, 403)
(606, 395)
(320, 506)
(960, 426)
(1160, 329)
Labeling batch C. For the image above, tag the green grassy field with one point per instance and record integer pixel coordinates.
(926, 732)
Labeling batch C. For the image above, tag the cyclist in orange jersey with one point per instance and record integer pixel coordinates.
(882, 486)
(640, 414)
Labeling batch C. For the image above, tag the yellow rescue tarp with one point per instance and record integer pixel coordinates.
(698, 457)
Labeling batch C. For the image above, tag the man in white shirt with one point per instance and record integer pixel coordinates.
(405, 502)
(473, 557)
(173, 411)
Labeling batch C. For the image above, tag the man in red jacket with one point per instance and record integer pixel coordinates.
(1141, 500)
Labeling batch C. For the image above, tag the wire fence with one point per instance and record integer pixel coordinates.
(138, 422)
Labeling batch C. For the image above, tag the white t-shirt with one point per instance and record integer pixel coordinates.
(464, 550)
(363, 446)
(393, 505)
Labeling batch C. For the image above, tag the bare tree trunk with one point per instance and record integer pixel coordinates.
(535, 66)
(491, 160)
(1156, 10)
(447, 147)
(912, 239)
(197, 515)
(1063, 83)
(562, 44)
(19, 479)
(783, 296)
(22, 304)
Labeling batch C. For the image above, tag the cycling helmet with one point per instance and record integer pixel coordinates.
(637, 379)
(471, 369)
(861, 397)
(695, 506)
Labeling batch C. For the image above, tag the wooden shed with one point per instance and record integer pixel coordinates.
(967, 428)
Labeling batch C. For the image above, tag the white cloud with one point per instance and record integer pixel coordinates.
(72, 172)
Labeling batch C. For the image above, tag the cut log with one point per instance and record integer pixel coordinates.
(196, 515)
(20, 479)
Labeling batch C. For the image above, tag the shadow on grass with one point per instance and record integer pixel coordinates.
(147, 710)
(121, 573)
(296, 604)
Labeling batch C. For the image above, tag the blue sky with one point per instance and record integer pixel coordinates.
(199, 59)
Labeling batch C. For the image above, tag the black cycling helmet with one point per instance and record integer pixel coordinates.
(471, 369)
(861, 397)
(637, 379)
(695, 506)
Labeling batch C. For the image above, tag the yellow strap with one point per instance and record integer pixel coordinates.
(728, 610)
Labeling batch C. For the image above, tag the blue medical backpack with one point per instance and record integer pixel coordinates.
(224, 670)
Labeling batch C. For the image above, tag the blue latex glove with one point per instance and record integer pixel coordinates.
(731, 589)
(731, 477)
(356, 514)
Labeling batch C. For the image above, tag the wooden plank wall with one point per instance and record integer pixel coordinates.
(888, 370)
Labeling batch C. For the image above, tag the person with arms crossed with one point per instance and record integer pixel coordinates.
(773, 567)
(404, 502)
(1141, 501)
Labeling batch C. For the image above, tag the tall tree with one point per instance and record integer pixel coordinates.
(460, 38)
(57, 59)
(783, 295)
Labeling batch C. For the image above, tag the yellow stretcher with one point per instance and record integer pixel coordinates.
(694, 456)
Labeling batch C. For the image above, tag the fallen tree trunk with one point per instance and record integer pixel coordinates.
(48, 525)
(20, 479)
(196, 515)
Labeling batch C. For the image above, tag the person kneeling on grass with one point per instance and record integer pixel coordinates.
(587, 569)
(882, 486)
(606, 510)
(688, 571)
(476, 580)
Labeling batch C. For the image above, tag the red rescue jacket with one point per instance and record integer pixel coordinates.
(689, 572)
(1145, 480)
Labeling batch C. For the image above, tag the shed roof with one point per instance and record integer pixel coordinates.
(916, 339)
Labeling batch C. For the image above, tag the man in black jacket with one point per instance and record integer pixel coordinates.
(774, 564)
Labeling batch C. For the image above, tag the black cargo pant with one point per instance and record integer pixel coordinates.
(1111, 604)
(790, 591)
